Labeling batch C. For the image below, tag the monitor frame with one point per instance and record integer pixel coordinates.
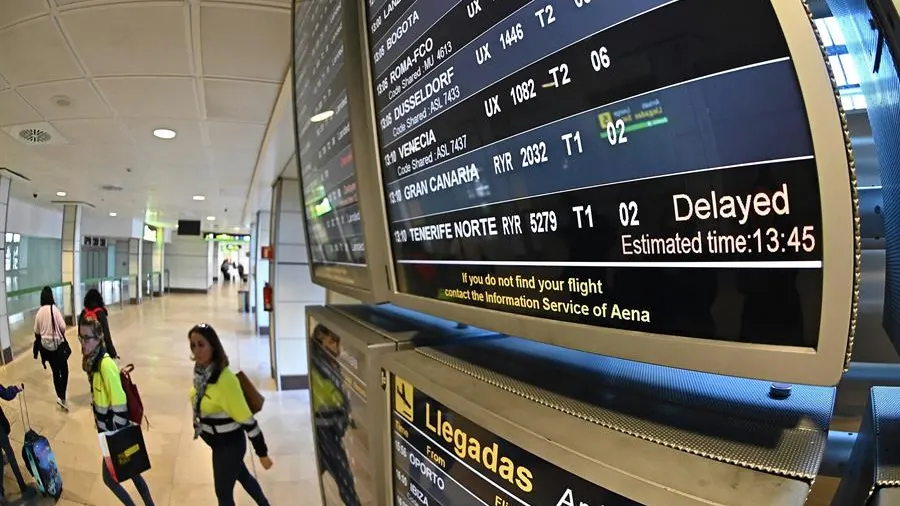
(368, 179)
(633, 467)
(822, 365)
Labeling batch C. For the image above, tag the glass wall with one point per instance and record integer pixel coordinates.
(32, 261)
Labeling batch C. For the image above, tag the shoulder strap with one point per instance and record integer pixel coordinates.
(56, 332)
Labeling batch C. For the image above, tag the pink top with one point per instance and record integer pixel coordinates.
(43, 325)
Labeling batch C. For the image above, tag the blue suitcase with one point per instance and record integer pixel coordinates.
(39, 458)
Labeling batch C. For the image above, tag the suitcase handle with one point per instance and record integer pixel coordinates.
(23, 411)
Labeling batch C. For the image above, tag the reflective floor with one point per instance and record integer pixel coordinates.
(153, 337)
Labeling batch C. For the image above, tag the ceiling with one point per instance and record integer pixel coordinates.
(101, 75)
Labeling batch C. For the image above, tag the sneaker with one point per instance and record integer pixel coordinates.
(61, 403)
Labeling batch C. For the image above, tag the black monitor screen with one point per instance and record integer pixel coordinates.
(642, 165)
(327, 169)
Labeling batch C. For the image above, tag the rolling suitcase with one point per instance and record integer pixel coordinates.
(39, 458)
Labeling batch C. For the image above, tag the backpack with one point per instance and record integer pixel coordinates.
(132, 396)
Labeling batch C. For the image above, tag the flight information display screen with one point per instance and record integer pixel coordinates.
(327, 169)
(643, 165)
(440, 458)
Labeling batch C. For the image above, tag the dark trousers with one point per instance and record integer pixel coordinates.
(60, 368)
(333, 459)
(229, 468)
(119, 491)
(11, 457)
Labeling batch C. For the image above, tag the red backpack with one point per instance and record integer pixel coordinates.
(132, 396)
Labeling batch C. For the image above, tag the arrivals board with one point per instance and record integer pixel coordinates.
(322, 121)
(646, 165)
(440, 458)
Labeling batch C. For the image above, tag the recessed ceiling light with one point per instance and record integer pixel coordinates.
(322, 116)
(61, 194)
(113, 214)
(237, 229)
(211, 218)
(199, 197)
(164, 133)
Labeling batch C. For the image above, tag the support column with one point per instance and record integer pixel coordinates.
(159, 261)
(71, 261)
(293, 289)
(260, 269)
(135, 270)
(5, 338)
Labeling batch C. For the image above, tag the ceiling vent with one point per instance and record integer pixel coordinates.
(36, 134)
(111, 188)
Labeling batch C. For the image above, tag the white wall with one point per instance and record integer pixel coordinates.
(261, 269)
(187, 259)
(293, 287)
(32, 220)
(94, 224)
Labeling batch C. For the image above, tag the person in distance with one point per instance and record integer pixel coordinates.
(110, 405)
(96, 308)
(8, 394)
(222, 417)
(50, 344)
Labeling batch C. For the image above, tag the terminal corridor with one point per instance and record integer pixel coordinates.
(153, 337)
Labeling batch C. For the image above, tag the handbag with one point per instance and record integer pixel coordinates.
(124, 453)
(63, 347)
(255, 400)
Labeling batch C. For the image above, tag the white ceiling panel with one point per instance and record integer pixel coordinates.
(103, 74)
(236, 137)
(142, 130)
(100, 132)
(14, 110)
(135, 39)
(50, 100)
(12, 11)
(35, 51)
(238, 41)
(239, 100)
(151, 97)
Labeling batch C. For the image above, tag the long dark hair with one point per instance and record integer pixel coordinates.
(93, 299)
(219, 357)
(47, 296)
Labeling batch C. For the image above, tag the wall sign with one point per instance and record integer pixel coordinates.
(212, 236)
(440, 458)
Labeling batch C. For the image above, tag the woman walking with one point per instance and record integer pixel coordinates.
(109, 402)
(50, 343)
(222, 417)
(96, 308)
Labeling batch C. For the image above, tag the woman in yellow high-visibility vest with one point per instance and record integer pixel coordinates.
(108, 399)
(222, 418)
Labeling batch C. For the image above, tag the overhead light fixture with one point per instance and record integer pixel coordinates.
(113, 214)
(211, 218)
(322, 116)
(237, 229)
(61, 194)
(164, 133)
(199, 198)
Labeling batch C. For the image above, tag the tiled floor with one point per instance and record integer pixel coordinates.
(153, 337)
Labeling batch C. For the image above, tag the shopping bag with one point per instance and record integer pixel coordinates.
(124, 453)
